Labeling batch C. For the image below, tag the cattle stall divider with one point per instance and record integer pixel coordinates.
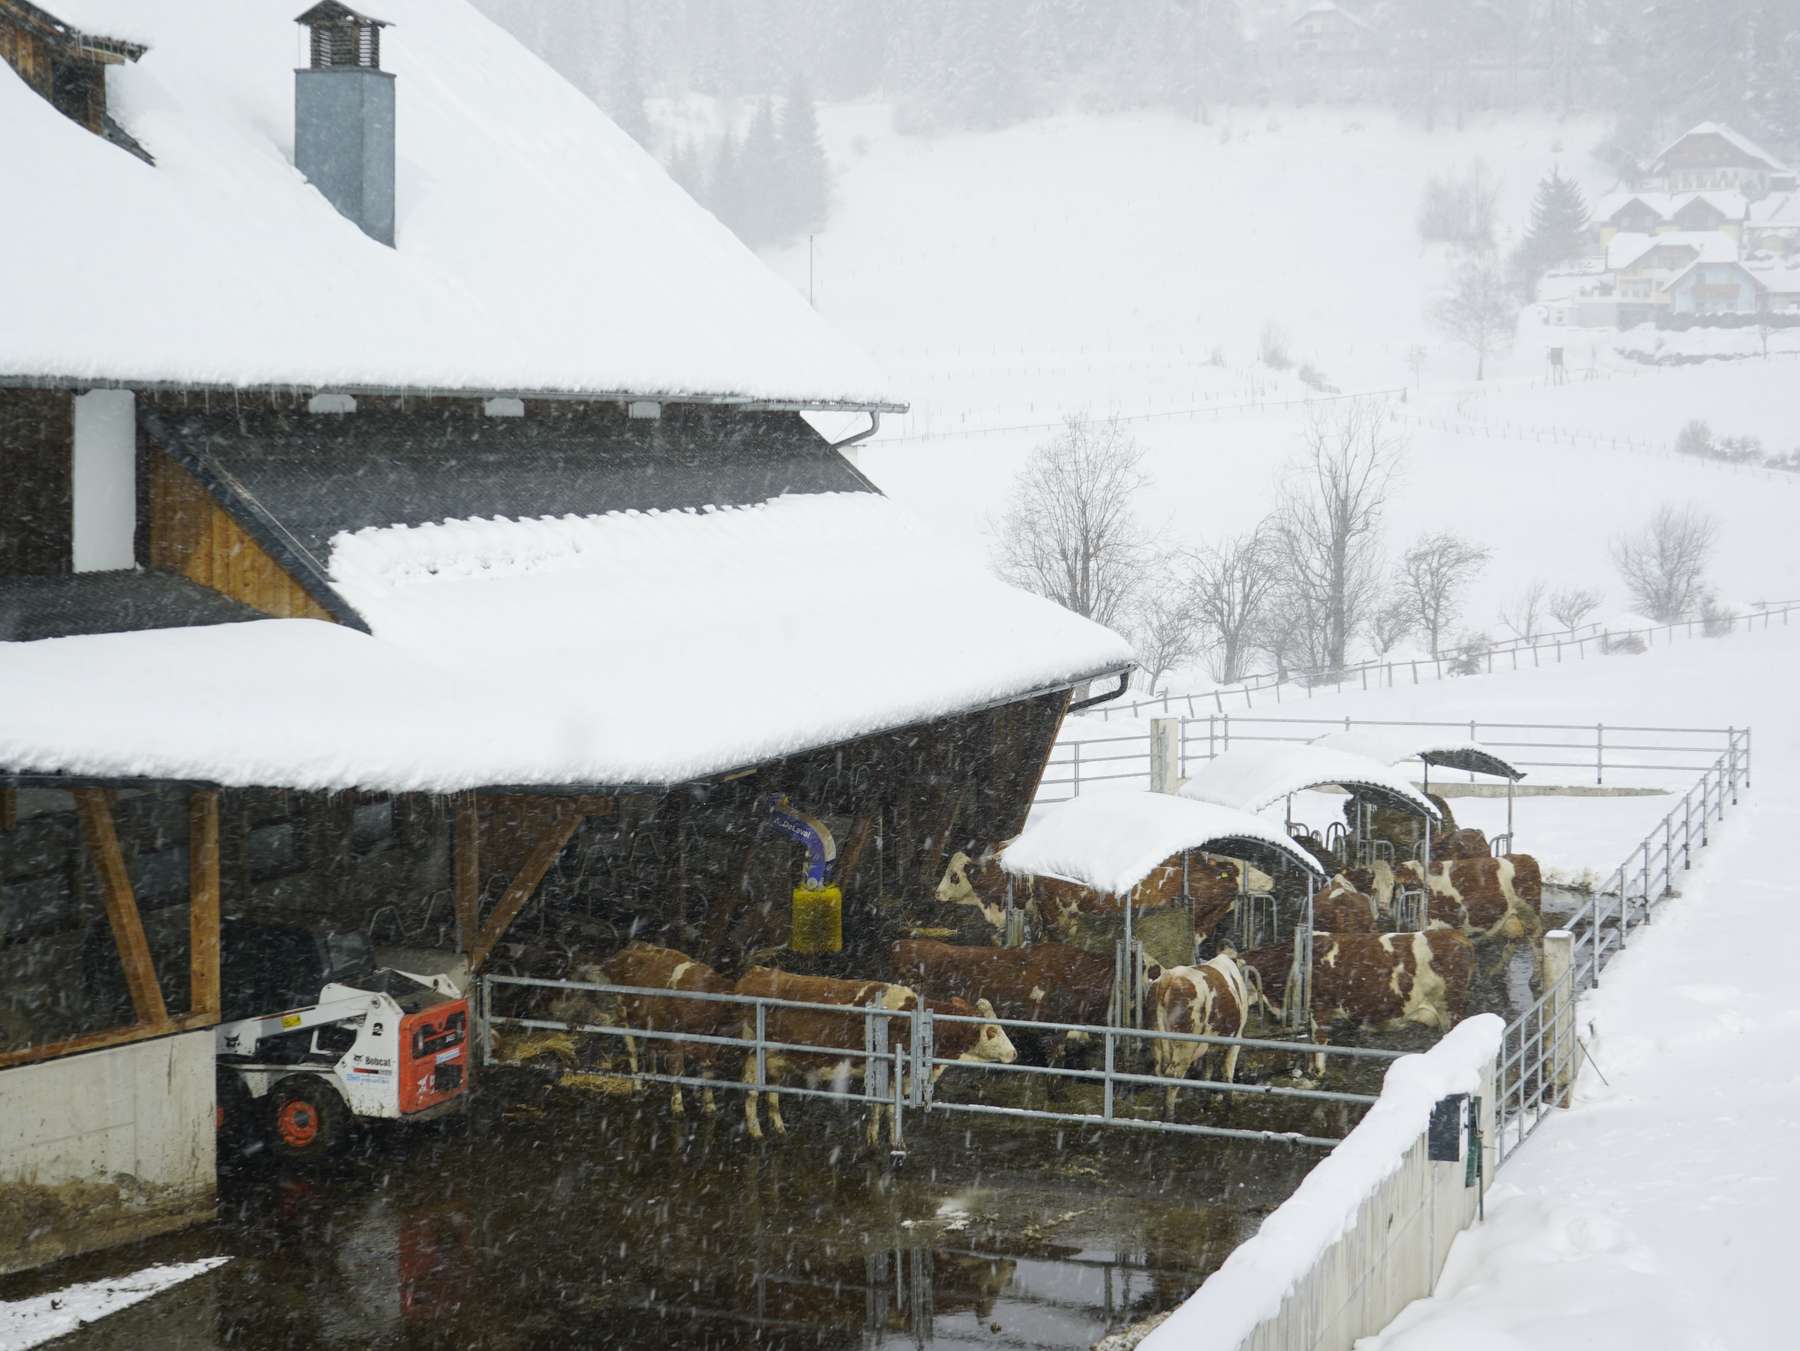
(900, 1062)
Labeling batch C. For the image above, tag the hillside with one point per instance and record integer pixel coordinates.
(1131, 263)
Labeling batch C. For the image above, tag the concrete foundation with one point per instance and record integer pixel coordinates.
(105, 1148)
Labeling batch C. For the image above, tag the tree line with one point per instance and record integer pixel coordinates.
(1312, 580)
(978, 64)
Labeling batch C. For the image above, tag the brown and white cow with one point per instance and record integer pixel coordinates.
(1377, 981)
(843, 1036)
(644, 966)
(1212, 880)
(1486, 898)
(1342, 908)
(1210, 1000)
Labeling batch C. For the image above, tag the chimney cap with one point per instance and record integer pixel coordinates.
(331, 12)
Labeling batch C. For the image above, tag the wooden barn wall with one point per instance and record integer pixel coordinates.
(323, 860)
(37, 441)
(28, 55)
(191, 534)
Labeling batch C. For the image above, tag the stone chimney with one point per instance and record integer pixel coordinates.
(344, 117)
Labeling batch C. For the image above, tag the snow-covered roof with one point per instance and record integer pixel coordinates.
(619, 649)
(1738, 141)
(1732, 205)
(538, 247)
(1712, 269)
(1782, 279)
(1252, 778)
(1777, 210)
(1113, 841)
(1403, 745)
(1628, 249)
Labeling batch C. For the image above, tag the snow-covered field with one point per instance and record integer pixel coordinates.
(1105, 264)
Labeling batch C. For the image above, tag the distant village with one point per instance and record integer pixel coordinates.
(1711, 238)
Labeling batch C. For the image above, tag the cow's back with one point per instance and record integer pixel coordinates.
(1453, 959)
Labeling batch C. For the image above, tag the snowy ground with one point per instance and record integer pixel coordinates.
(1658, 1212)
(43, 1318)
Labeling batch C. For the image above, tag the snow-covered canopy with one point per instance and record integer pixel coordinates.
(630, 648)
(1401, 745)
(538, 247)
(1113, 841)
(1252, 778)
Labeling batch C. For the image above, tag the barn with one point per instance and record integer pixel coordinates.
(417, 524)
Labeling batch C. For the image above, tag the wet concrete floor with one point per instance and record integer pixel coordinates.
(554, 1219)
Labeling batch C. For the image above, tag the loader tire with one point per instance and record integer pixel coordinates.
(307, 1119)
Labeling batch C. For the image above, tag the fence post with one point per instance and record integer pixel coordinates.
(1075, 769)
(1731, 749)
(1228, 731)
(1599, 753)
(1212, 736)
(1559, 1010)
(1165, 755)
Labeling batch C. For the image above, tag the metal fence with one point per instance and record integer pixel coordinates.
(1596, 749)
(1513, 654)
(1538, 1054)
(899, 1064)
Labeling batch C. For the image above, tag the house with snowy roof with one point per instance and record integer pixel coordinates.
(1772, 226)
(1711, 157)
(1670, 213)
(410, 518)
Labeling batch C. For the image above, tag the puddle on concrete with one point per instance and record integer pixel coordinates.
(551, 1222)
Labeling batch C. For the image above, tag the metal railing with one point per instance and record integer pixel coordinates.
(1597, 748)
(1539, 1049)
(1511, 654)
(901, 1064)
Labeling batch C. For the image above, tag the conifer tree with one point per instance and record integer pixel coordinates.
(1559, 226)
(759, 179)
(805, 180)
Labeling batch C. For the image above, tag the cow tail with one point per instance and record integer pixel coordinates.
(1253, 982)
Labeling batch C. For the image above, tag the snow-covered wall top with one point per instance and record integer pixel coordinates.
(1251, 778)
(1112, 841)
(1250, 1286)
(538, 247)
(629, 648)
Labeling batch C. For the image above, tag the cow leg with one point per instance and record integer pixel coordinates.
(1231, 1059)
(631, 1058)
(872, 1126)
(749, 1077)
(708, 1108)
(677, 1067)
(774, 1102)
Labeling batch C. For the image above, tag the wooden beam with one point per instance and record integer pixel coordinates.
(95, 810)
(465, 861)
(99, 1041)
(203, 904)
(860, 830)
(524, 886)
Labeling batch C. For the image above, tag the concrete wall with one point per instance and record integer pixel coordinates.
(1367, 1231)
(104, 1148)
(1392, 1254)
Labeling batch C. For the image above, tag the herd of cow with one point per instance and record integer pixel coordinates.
(1365, 972)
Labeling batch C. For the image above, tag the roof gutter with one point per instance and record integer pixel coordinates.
(298, 391)
(1124, 684)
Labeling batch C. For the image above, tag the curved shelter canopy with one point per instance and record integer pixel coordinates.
(1396, 745)
(1253, 778)
(1113, 841)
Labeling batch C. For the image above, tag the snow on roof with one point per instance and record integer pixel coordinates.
(1738, 141)
(1628, 249)
(1775, 210)
(1730, 204)
(1113, 841)
(628, 648)
(539, 248)
(1403, 745)
(1777, 278)
(1252, 778)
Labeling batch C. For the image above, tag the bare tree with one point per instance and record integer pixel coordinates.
(1328, 530)
(1163, 629)
(1431, 579)
(1664, 564)
(1228, 590)
(1573, 604)
(1479, 310)
(1071, 534)
(1525, 614)
(1392, 621)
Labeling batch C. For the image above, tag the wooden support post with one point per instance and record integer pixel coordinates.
(203, 904)
(465, 861)
(1559, 1014)
(524, 886)
(854, 844)
(95, 811)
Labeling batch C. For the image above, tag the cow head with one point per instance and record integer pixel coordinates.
(965, 881)
(1247, 876)
(991, 1042)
